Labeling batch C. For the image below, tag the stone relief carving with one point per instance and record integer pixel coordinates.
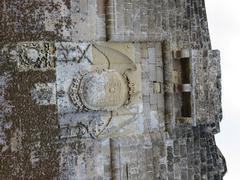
(100, 81)
(35, 56)
(96, 84)
(73, 52)
(101, 90)
(90, 125)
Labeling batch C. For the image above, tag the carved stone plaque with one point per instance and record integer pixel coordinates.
(104, 90)
(35, 56)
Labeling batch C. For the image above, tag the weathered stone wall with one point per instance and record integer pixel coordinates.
(70, 20)
(161, 53)
(208, 88)
(183, 21)
(28, 131)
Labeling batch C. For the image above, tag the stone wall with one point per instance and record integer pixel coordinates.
(183, 21)
(70, 20)
(155, 55)
(142, 20)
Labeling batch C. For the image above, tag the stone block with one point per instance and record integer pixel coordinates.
(152, 73)
(157, 88)
(152, 55)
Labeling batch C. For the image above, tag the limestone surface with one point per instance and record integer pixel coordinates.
(108, 89)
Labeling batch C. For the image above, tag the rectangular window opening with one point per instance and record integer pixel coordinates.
(185, 71)
(186, 79)
(186, 104)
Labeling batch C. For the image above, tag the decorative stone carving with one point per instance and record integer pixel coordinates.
(35, 56)
(101, 90)
(109, 83)
(104, 90)
(66, 51)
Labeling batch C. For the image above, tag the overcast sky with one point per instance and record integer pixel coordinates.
(224, 25)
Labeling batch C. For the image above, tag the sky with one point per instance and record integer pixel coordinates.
(224, 26)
